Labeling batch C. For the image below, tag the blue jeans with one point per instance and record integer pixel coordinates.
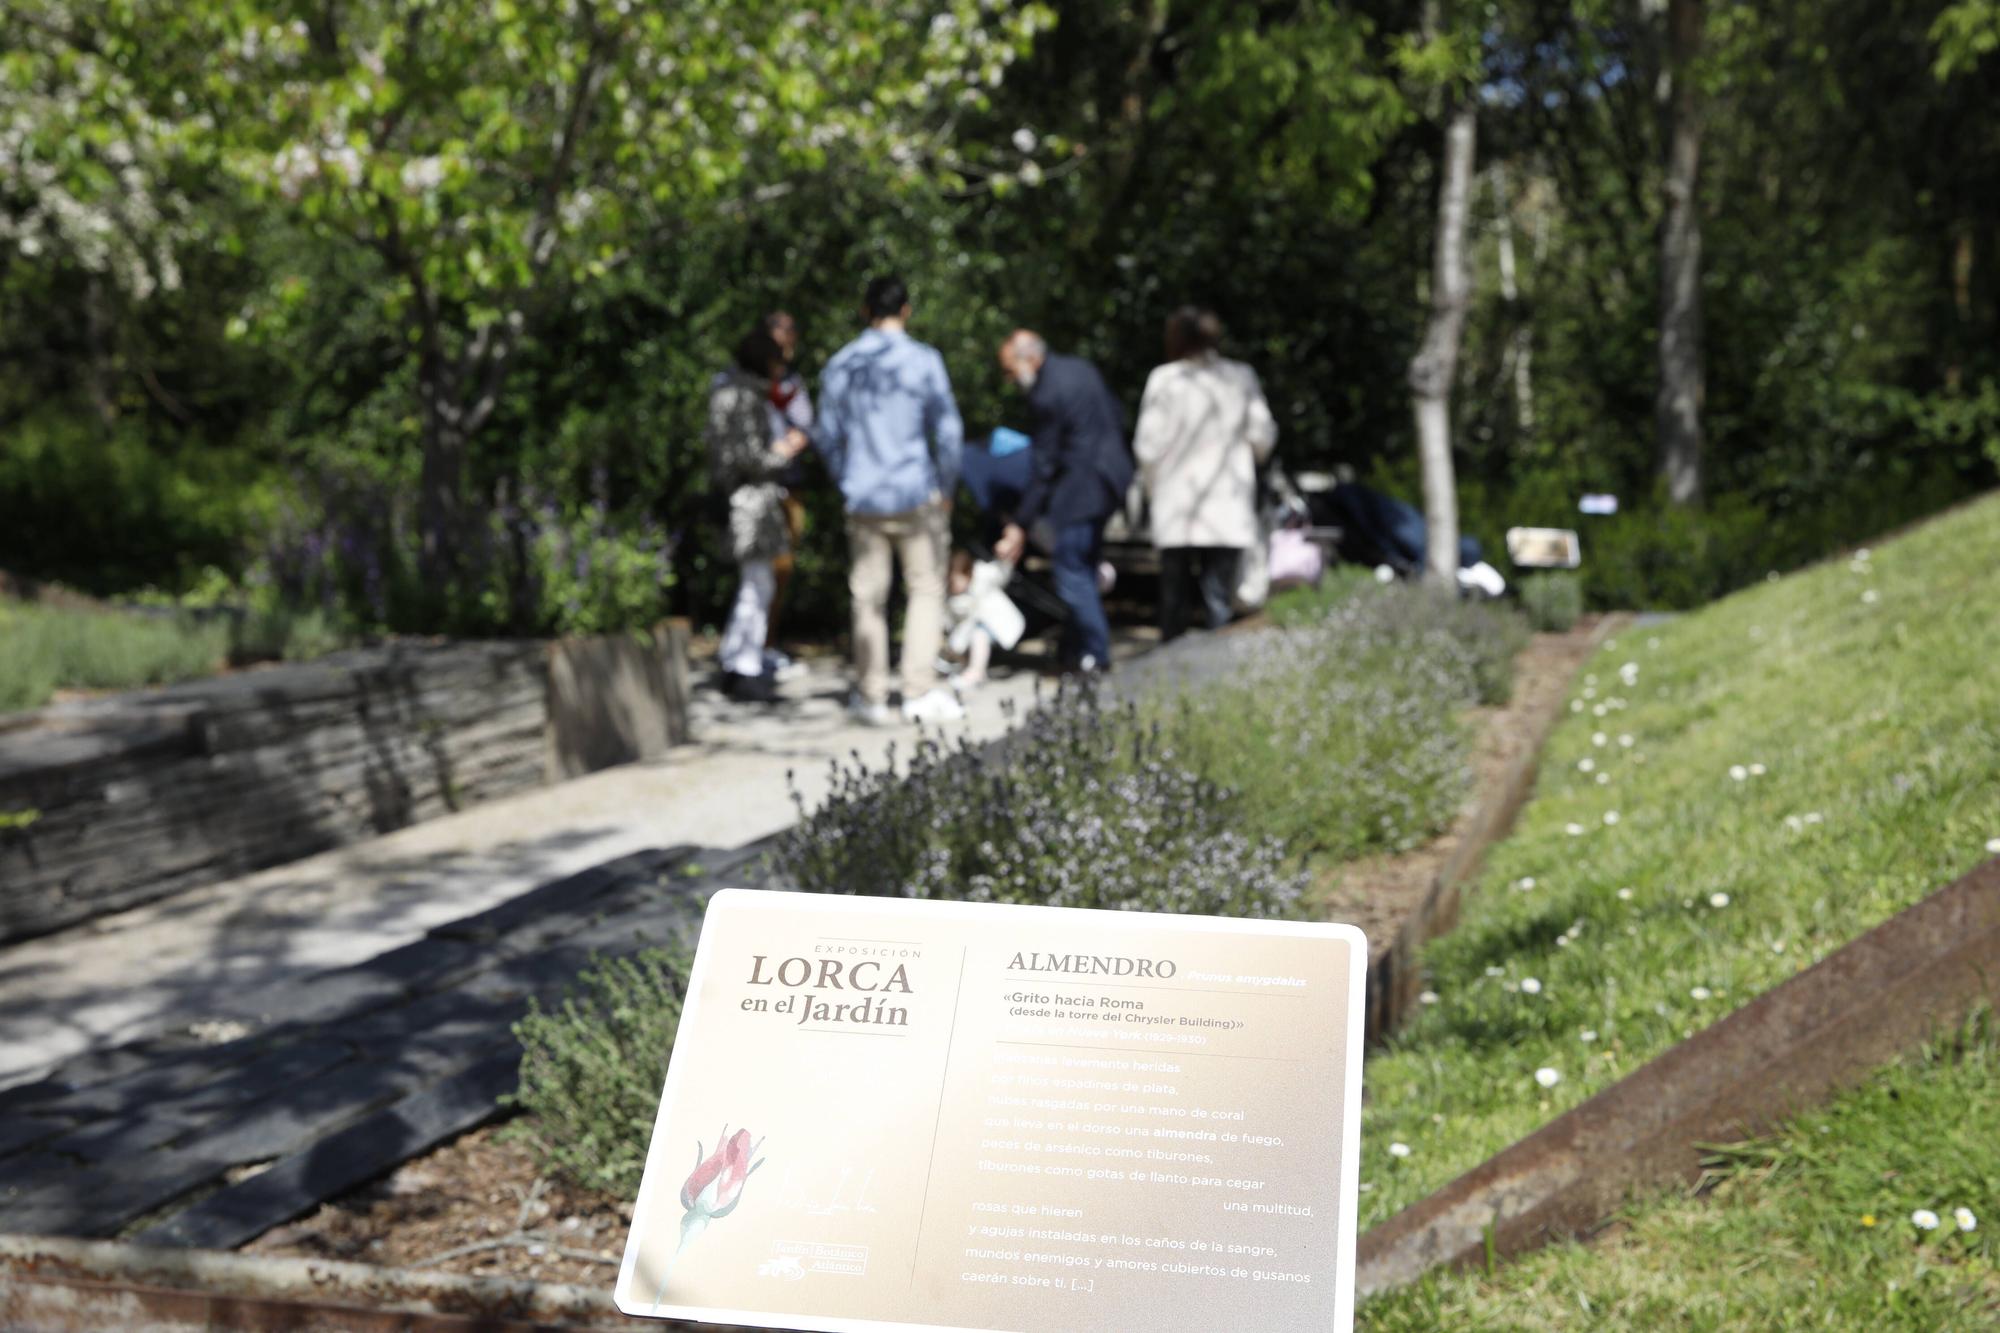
(1078, 547)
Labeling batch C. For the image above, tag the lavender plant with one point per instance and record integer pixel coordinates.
(1084, 806)
(1344, 733)
(1338, 737)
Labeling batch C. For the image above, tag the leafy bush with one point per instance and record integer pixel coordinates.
(592, 1068)
(1084, 806)
(278, 634)
(43, 649)
(106, 509)
(1552, 602)
(533, 567)
(1343, 735)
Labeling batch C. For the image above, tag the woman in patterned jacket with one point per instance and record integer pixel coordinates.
(745, 456)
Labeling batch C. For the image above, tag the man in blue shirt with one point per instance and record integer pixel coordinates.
(892, 439)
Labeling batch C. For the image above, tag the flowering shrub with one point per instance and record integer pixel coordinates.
(1343, 734)
(1084, 806)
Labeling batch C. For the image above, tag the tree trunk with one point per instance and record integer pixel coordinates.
(1521, 342)
(1678, 409)
(441, 483)
(1435, 365)
(99, 372)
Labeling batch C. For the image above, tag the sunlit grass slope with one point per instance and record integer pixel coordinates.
(1732, 796)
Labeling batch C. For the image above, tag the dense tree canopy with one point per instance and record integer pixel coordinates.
(410, 307)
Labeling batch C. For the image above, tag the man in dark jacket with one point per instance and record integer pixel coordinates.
(1080, 467)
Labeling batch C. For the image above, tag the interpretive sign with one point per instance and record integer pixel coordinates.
(883, 1113)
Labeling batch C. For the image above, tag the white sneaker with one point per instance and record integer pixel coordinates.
(870, 715)
(782, 667)
(940, 705)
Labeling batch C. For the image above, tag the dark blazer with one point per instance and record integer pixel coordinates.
(1080, 460)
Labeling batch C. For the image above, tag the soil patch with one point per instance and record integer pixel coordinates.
(478, 1206)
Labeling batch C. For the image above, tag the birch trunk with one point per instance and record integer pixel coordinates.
(1435, 365)
(1521, 342)
(1678, 409)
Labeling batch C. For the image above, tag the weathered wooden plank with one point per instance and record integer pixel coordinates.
(301, 1181)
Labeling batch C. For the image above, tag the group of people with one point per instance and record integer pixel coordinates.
(889, 433)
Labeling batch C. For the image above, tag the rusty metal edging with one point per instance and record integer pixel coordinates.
(1924, 970)
(53, 1283)
(1395, 973)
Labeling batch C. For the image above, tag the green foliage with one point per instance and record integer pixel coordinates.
(1343, 735)
(44, 649)
(234, 241)
(1671, 557)
(1966, 33)
(1552, 602)
(593, 1066)
(109, 511)
(1806, 758)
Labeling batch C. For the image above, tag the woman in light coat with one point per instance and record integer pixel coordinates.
(1204, 428)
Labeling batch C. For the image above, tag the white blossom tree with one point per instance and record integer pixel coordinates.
(498, 155)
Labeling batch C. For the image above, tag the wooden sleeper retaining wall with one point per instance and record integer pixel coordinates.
(109, 803)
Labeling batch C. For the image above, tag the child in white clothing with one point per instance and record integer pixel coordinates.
(979, 614)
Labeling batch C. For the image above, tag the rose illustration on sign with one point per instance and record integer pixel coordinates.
(713, 1189)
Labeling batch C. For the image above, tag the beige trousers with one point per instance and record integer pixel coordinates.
(874, 541)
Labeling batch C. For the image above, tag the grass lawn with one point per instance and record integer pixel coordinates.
(1733, 796)
(1810, 1229)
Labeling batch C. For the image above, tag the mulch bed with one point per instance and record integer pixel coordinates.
(479, 1205)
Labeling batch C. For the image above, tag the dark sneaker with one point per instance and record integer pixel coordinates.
(751, 689)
